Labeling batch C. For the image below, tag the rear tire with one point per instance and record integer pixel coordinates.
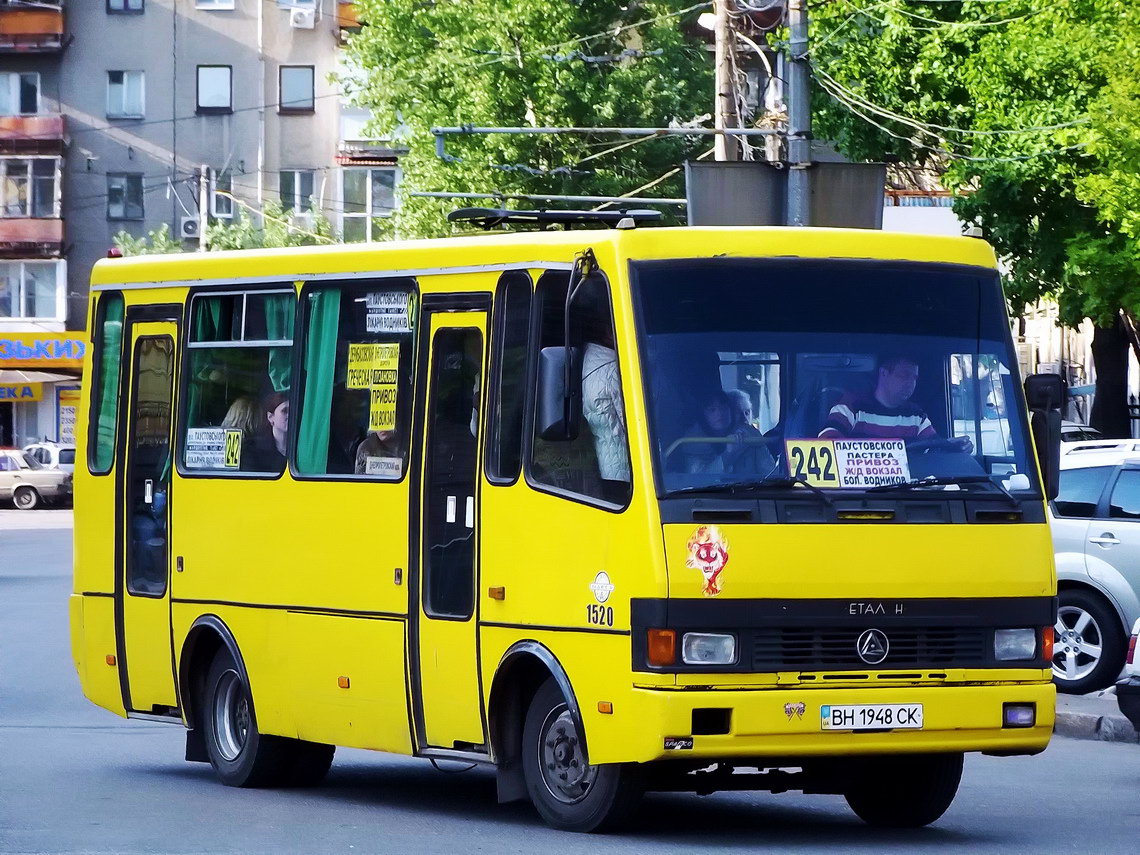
(569, 793)
(26, 498)
(903, 791)
(241, 755)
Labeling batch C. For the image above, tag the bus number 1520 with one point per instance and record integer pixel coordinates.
(600, 615)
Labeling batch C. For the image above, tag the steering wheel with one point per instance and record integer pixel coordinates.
(934, 444)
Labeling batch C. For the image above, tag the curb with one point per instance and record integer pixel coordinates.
(1104, 728)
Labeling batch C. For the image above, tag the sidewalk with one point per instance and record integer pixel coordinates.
(1094, 716)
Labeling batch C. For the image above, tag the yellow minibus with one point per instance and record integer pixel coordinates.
(610, 510)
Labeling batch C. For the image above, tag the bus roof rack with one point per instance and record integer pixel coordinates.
(491, 218)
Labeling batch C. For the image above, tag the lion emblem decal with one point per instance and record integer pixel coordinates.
(708, 552)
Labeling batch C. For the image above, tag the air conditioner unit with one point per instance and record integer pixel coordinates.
(302, 19)
(189, 228)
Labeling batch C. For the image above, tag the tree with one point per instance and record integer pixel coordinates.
(536, 63)
(1022, 106)
(276, 230)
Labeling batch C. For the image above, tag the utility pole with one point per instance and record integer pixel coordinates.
(725, 148)
(799, 116)
(203, 205)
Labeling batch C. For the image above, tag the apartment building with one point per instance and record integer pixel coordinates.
(108, 111)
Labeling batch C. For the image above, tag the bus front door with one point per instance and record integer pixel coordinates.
(143, 589)
(449, 714)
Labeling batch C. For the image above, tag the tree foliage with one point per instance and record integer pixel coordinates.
(536, 63)
(1028, 107)
(276, 229)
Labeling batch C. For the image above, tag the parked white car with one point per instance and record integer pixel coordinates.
(52, 455)
(1096, 538)
(28, 484)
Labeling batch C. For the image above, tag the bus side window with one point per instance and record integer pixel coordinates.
(239, 360)
(354, 416)
(596, 464)
(508, 390)
(105, 394)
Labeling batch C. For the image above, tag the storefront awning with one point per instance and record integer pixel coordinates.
(11, 375)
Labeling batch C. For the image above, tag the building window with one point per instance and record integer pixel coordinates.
(296, 89)
(19, 94)
(30, 290)
(125, 5)
(296, 189)
(28, 187)
(215, 89)
(221, 200)
(125, 96)
(124, 197)
(217, 5)
(367, 194)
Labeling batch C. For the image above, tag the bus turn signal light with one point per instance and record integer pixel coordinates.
(662, 648)
(1047, 638)
(111, 659)
(605, 707)
(343, 682)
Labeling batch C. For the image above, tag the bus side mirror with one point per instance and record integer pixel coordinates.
(558, 410)
(1045, 394)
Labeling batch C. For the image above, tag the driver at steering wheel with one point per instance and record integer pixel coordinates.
(888, 412)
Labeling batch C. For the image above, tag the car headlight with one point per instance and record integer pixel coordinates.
(708, 648)
(1010, 644)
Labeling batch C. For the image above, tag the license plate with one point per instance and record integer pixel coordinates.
(871, 717)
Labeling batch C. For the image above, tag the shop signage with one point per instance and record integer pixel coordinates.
(21, 392)
(42, 350)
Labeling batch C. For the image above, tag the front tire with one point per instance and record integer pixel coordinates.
(569, 793)
(26, 498)
(903, 791)
(241, 755)
(1089, 643)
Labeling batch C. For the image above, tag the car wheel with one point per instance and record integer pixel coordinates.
(241, 755)
(1088, 643)
(903, 791)
(568, 792)
(26, 498)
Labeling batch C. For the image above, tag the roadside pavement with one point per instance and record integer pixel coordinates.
(1093, 716)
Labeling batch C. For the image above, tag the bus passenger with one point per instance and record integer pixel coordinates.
(720, 417)
(379, 445)
(604, 412)
(888, 412)
(242, 415)
(267, 452)
(743, 404)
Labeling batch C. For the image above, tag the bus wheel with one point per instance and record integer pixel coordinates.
(568, 792)
(241, 756)
(903, 791)
(26, 498)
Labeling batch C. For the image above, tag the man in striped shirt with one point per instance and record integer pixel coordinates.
(888, 412)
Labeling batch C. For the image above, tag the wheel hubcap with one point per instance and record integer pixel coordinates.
(1078, 644)
(565, 771)
(231, 716)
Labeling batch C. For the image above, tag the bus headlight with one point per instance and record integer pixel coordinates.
(708, 648)
(1010, 644)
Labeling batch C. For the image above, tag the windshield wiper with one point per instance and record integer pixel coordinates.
(945, 480)
(734, 487)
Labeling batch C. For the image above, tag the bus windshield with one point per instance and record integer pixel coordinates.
(849, 375)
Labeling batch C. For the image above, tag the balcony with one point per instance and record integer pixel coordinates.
(347, 19)
(31, 26)
(25, 237)
(32, 134)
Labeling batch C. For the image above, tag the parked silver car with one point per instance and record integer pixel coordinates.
(28, 484)
(1096, 538)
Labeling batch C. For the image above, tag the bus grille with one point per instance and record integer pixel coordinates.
(794, 648)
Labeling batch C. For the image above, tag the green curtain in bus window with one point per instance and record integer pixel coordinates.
(110, 353)
(320, 368)
(279, 326)
(207, 319)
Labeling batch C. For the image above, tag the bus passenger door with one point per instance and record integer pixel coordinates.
(449, 713)
(143, 588)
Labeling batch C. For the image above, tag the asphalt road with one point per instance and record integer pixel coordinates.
(74, 778)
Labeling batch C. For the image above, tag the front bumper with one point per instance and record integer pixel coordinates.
(787, 723)
(1128, 696)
